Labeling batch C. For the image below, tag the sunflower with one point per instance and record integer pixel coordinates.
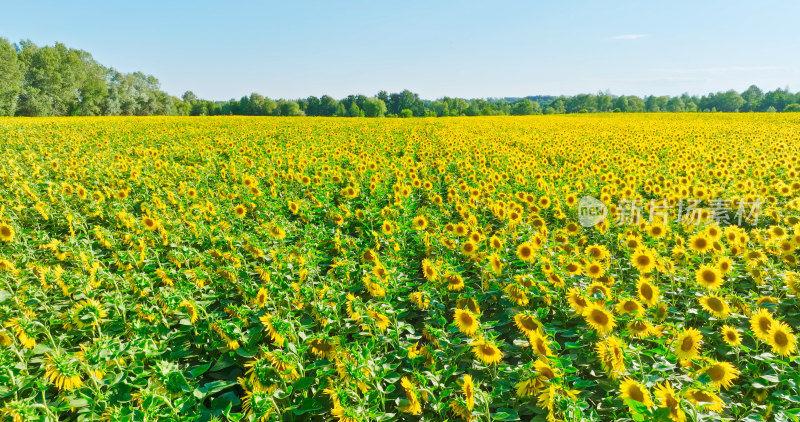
(63, 371)
(240, 211)
(731, 335)
(380, 320)
(573, 268)
(642, 329)
(599, 318)
(544, 370)
(258, 405)
(516, 294)
(687, 343)
(599, 292)
(760, 323)
(754, 258)
(724, 265)
(628, 306)
(667, 398)
(283, 364)
(706, 400)
(419, 223)
(468, 389)
(700, 243)
(643, 260)
(496, 264)
(539, 343)
(709, 277)
(469, 248)
(459, 409)
(468, 303)
(781, 338)
(455, 282)
(412, 404)
(598, 252)
(149, 223)
(486, 352)
(429, 270)
(277, 232)
(6, 233)
(527, 324)
(611, 352)
(594, 270)
(648, 292)
(656, 230)
(495, 242)
(466, 322)
(87, 313)
(419, 300)
(525, 252)
(5, 339)
(631, 389)
(722, 374)
(323, 348)
(576, 300)
(716, 305)
(555, 280)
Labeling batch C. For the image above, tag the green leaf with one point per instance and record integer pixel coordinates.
(41, 349)
(199, 370)
(78, 402)
(308, 405)
(506, 414)
(225, 402)
(303, 383)
(637, 407)
(214, 386)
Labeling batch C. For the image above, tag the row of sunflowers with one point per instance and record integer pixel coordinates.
(298, 269)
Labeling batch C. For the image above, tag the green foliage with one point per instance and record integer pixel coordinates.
(374, 107)
(10, 78)
(525, 107)
(61, 81)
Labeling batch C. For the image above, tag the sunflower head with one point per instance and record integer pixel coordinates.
(687, 344)
(6, 233)
(631, 389)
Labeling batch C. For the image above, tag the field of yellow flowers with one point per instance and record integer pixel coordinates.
(301, 269)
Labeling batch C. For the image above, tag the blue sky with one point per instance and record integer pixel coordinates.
(293, 49)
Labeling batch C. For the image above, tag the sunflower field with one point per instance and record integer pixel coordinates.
(333, 269)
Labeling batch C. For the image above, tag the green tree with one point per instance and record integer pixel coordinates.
(406, 113)
(10, 78)
(374, 107)
(793, 108)
(288, 108)
(189, 97)
(752, 96)
(604, 102)
(354, 110)
(675, 105)
(729, 101)
(440, 108)
(525, 107)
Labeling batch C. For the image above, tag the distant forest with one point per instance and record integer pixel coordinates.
(61, 81)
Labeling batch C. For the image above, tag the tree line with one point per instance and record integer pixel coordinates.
(61, 81)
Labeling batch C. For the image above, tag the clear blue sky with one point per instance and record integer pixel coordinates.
(293, 49)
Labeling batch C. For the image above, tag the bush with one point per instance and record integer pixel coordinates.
(406, 113)
(792, 108)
